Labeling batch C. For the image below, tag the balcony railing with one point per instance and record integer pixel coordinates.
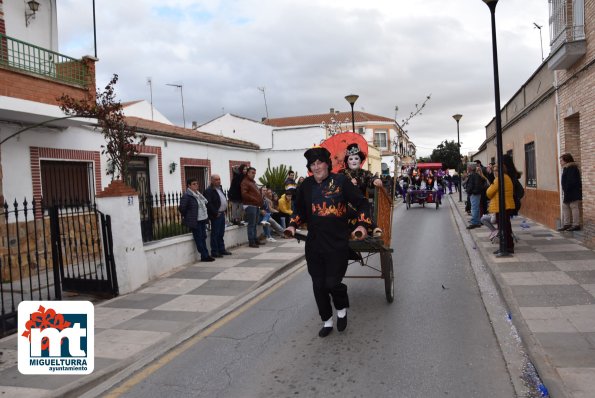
(562, 28)
(21, 56)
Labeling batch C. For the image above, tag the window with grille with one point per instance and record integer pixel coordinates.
(530, 167)
(380, 140)
(200, 173)
(66, 183)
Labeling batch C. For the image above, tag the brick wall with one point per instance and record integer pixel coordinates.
(541, 206)
(32, 88)
(577, 119)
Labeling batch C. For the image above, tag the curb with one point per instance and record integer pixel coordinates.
(536, 355)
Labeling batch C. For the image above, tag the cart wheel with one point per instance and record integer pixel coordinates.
(386, 264)
(408, 201)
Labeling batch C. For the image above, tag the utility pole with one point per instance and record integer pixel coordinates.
(181, 87)
(540, 38)
(266, 108)
(150, 83)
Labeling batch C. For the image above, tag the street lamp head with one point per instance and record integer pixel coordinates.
(491, 4)
(351, 98)
(457, 117)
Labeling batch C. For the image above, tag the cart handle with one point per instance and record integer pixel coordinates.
(297, 235)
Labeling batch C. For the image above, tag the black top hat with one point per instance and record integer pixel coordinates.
(318, 153)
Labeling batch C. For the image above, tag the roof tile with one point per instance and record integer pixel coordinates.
(166, 130)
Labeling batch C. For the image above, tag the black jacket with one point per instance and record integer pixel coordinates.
(571, 183)
(474, 185)
(324, 207)
(235, 193)
(214, 202)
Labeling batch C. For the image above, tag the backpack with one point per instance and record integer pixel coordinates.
(517, 193)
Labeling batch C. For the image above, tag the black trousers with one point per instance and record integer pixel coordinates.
(507, 228)
(327, 269)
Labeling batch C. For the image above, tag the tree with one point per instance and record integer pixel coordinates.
(121, 139)
(447, 152)
(274, 177)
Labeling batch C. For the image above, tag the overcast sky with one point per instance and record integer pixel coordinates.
(309, 54)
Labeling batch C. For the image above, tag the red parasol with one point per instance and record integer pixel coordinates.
(337, 144)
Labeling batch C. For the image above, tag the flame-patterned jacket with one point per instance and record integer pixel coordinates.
(324, 207)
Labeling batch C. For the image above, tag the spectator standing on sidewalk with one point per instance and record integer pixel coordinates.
(321, 201)
(235, 194)
(252, 201)
(456, 179)
(572, 194)
(216, 207)
(483, 203)
(490, 218)
(193, 208)
(290, 179)
(490, 172)
(474, 188)
(510, 172)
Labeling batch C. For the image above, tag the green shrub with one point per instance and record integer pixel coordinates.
(274, 177)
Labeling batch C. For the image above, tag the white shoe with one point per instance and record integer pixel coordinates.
(243, 223)
(271, 239)
(265, 223)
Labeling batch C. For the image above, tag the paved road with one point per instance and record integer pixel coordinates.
(435, 340)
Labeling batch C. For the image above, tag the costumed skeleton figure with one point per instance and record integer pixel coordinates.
(321, 202)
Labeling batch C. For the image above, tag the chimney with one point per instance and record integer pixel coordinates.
(194, 125)
(332, 110)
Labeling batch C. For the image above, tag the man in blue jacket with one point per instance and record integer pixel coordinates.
(217, 207)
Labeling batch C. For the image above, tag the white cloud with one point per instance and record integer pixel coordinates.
(310, 53)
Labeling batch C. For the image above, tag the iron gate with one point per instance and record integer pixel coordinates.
(46, 250)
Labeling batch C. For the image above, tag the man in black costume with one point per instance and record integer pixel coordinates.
(321, 202)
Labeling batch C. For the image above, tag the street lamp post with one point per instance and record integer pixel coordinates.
(351, 98)
(503, 250)
(458, 117)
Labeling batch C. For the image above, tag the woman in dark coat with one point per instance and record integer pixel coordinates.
(572, 190)
(235, 195)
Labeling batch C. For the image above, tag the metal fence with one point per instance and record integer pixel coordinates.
(47, 249)
(161, 219)
(22, 56)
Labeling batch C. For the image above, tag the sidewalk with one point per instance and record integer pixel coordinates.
(549, 287)
(134, 329)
